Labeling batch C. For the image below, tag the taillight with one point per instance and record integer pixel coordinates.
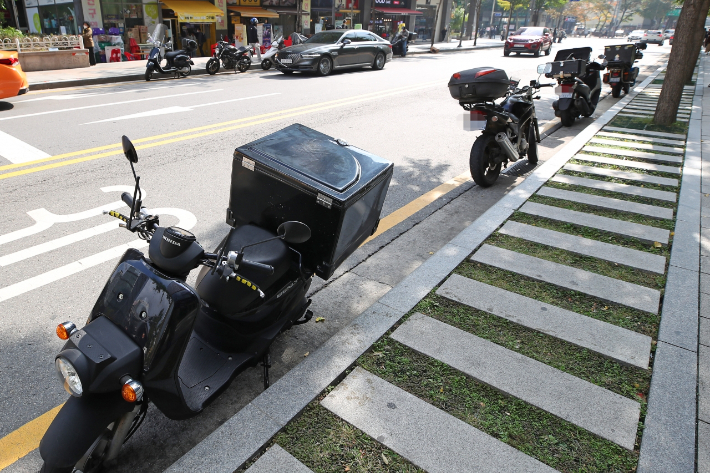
(457, 75)
(615, 73)
(483, 73)
(11, 61)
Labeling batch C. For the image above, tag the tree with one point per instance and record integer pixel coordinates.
(627, 9)
(511, 6)
(538, 6)
(581, 11)
(686, 45)
(655, 10)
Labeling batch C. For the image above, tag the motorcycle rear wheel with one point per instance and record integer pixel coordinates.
(266, 64)
(532, 144)
(484, 171)
(243, 65)
(616, 91)
(212, 66)
(567, 117)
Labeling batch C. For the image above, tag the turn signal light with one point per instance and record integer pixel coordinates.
(65, 330)
(10, 61)
(132, 391)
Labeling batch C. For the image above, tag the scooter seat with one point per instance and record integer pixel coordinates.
(173, 54)
(230, 298)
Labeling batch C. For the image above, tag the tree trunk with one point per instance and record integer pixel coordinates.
(697, 43)
(510, 17)
(478, 20)
(436, 18)
(535, 11)
(469, 20)
(683, 57)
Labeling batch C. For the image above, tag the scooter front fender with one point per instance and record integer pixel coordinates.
(78, 424)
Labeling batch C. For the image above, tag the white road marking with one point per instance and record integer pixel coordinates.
(176, 109)
(109, 104)
(17, 151)
(44, 218)
(97, 94)
(187, 220)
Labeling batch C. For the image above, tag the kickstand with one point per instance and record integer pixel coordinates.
(266, 363)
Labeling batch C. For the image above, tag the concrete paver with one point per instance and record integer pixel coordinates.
(628, 163)
(620, 344)
(629, 176)
(652, 139)
(426, 436)
(611, 225)
(278, 459)
(636, 154)
(614, 187)
(603, 287)
(602, 412)
(628, 144)
(703, 446)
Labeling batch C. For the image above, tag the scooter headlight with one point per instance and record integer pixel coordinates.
(69, 376)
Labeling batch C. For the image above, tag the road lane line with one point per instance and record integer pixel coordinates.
(48, 112)
(190, 130)
(97, 94)
(22, 441)
(279, 116)
(17, 151)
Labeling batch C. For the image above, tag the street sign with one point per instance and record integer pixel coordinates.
(674, 12)
(497, 14)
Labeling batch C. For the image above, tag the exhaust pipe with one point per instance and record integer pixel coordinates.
(507, 146)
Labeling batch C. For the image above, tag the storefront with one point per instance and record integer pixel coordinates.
(387, 15)
(56, 17)
(186, 17)
(424, 23)
(241, 16)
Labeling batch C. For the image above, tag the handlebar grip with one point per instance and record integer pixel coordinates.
(266, 268)
(127, 199)
(117, 215)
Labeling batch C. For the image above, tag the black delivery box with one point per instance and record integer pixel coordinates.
(573, 68)
(622, 53)
(300, 174)
(480, 84)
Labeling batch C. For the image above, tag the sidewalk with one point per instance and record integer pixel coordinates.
(559, 331)
(106, 73)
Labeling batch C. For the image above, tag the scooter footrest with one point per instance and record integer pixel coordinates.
(306, 317)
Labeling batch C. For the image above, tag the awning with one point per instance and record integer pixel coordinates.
(254, 11)
(397, 11)
(194, 10)
(289, 11)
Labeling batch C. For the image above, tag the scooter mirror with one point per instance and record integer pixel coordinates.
(129, 150)
(294, 232)
(601, 56)
(541, 68)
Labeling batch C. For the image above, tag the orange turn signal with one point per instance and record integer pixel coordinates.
(65, 330)
(132, 391)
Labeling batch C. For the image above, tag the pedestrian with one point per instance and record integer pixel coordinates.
(707, 43)
(187, 44)
(253, 38)
(405, 37)
(554, 35)
(201, 39)
(87, 34)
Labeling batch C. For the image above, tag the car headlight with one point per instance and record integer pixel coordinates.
(310, 55)
(69, 376)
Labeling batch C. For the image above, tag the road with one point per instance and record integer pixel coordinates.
(61, 165)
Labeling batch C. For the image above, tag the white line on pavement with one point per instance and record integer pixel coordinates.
(17, 151)
(97, 94)
(109, 104)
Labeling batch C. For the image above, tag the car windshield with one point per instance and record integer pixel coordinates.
(653, 32)
(528, 32)
(325, 37)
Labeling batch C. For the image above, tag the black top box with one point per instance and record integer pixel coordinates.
(480, 84)
(574, 67)
(620, 54)
(585, 54)
(301, 174)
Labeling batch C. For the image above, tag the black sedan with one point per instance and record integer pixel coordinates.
(335, 49)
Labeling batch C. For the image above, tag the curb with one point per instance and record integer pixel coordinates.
(195, 72)
(242, 436)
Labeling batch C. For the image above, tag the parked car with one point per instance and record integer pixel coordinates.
(619, 33)
(635, 35)
(668, 33)
(531, 40)
(670, 40)
(653, 36)
(335, 49)
(13, 81)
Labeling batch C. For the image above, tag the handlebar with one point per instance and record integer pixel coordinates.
(266, 268)
(127, 199)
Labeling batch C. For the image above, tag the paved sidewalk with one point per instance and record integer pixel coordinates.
(581, 227)
(105, 73)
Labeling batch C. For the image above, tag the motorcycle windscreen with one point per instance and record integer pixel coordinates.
(158, 34)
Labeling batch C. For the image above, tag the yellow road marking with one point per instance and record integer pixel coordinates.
(22, 441)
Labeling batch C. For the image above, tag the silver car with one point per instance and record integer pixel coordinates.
(635, 35)
(668, 33)
(653, 36)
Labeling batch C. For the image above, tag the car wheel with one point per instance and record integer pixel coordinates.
(379, 62)
(325, 66)
(536, 53)
(517, 54)
(506, 53)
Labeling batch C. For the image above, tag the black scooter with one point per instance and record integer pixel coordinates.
(622, 73)
(579, 82)
(177, 62)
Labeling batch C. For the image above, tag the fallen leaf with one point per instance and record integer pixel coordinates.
(605, 308)
(656, 244)
(483, 404)
(507, 413)
(640, 395)
(306, 354)
(384, 459)
(347, 468)
(320, 319)
(431, 252)
(672, 233)
(441, 390)
(636, 385)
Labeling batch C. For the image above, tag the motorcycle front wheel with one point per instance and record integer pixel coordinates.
(484, 169)
(212, 66)
(567, 117)
(266, 64)
(148, 74)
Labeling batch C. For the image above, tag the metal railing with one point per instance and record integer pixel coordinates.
(47, 43)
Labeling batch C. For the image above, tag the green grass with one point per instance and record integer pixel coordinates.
(647, 124)
(611, 194)
(619, 167)
(630, 182)
(623, 148)
(680, 144)
(533, 431)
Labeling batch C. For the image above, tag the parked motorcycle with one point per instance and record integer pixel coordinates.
(152, 338)
(276, 45)
(177, 62)
(579, 83)
(398, 45)
(225, 53)
(510, 130)
(620, 62)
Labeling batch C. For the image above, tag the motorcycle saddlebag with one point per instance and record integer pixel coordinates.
(300, 174)
(480, 84)
(620, 54)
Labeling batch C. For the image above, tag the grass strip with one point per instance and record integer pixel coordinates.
(325, 443)
(623, 148)
(618, 167)
(574, 260)
(610, 194)
(535, 432)
(640, 140)
(617, 180)
(591, 233)
(617, 314)
(615, 214)
(640, 123)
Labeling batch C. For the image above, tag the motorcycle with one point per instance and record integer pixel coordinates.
(398, 45)
(510, 129)
(579, 83)
(177, 62)
(266, 61)
(622, 75)
(152, 338)
(225, 53)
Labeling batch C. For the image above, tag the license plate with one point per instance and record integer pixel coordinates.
(518, 45)
(474, 121)
(566, 95)
(614, 79)
(286, 61)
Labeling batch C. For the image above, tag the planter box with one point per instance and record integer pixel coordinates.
(51, 60)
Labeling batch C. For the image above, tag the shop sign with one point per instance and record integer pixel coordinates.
(150, 13)
(240, 35)
(306, 5)
(266, 35)
(33, 20)
(221, 20)
(197, 17)
(305, 21)
(46, 2)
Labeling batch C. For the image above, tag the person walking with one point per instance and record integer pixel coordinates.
(87, 34)
(200, 38)
(554, 35)
(253, 38)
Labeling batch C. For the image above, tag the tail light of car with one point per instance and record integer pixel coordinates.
(11, 61)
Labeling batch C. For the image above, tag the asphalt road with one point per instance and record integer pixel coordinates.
(53, 270)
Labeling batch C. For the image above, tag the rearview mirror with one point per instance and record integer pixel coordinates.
(128, 150)
(601, 56)
(541, 68)
(294, 232)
